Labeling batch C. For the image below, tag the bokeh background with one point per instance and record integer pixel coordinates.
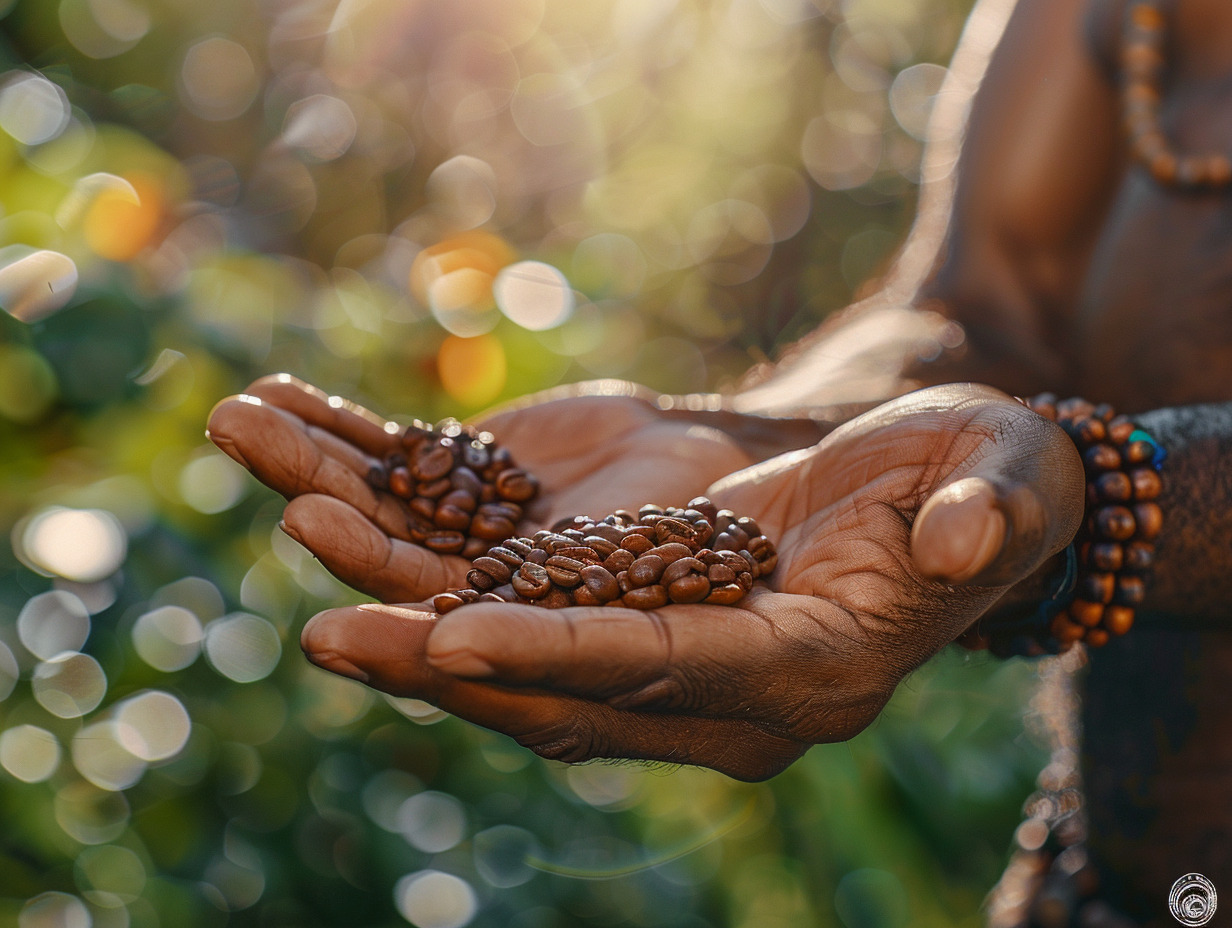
(428, 206)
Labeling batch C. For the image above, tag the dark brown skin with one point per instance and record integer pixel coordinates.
(1070, 271)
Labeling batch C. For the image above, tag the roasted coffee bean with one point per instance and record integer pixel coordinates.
(569, 522)
(516, 485)
(610, 533)
(475, 455)
(556, 599)
(491, 598)
(506, 592)
(600, 582)
(669, 530)
(418, 528)
(505, 555)
(625, 582)
(720, 574)
(491, 528)
(618, 560)
(582, 596)
(638, 544)
(432, 462)
(423, 507)
(460, 499)
(682, 568)
(703, 505)
(538, 556)
(600, 546)
(749, 526)
(451, 517)
(446, 602)
(692, 588)
(723, 520)
(763, 553)
(650, 509)
(744, 580)
(497, 569)
(726, 541)
(466, 480)
(400, 482)
(646, 597)
(520, 546)
(724, 595)
(564, 571)
(531, 581)
(444, 542)
(647, 569)
(574, 535)
(480, 580)
(580, 553)
(672, 551)
(433, 489)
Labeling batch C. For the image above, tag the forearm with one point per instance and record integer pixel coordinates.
(1193, 564)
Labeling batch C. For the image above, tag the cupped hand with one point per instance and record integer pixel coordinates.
(895, 532)
(594, 449)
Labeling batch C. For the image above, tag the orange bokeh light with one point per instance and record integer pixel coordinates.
(118, 229)
(472, 370)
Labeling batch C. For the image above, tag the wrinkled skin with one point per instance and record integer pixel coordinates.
(894, 533)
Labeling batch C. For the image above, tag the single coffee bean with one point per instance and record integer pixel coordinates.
(599, 545)
(564, 571)
(537, 556)
(726, 541)
(443, 542)
(647, 569)
(764, 554)
(646, 597)
(491, 528)
(720, 574)
(506, 592)
(531, 581)
(446, 602)
(618, 560)
(498, 570)
(516, 485)
(600, 582)
(638, 544)
(418, 528)
(400, 482)
(625, 582)
(520, 546)
(466, 480)
(491, 598)
(723, 520)
(683, 567)
(672, 551)
(705, 507)
(451, 517)
(480, 580)
(650, 509)
(749, 525)
(556, 598)
(744, 580)
(475, 455)
(460, 499)
(724, 595)
(611, 533)
(423, 507)
(673, 530)
(433, 489)
(432, 461)
(583, 553)
(692, 588)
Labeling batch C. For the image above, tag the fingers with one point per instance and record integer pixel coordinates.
(363, 556)
(1020, 503)
(349, 421)
(383, 646)
(785, 662)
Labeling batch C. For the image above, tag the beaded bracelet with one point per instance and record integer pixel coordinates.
(1108, 564)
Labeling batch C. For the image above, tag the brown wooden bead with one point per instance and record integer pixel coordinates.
(1139, 452)
(1146, 482)
(1096, 637)
(1146, 17)
(1119, 430)
(1097, 587)
(646, 597)
(1139, 556)
(1073, 407)
(1105, 555)
(1085, 612)
(1101, 457)
(1191, 171)
(1130, 591)
(1114, 523)
(1218, 170)
(1113, 487)
(1149, 519)
(1163, 168)
(1118, 619)
(1089, 430)
(1065, 631)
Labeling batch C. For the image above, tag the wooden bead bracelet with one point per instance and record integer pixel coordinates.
(1108, 564)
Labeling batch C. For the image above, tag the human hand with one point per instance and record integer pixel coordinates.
(595, 447)
(894, 534)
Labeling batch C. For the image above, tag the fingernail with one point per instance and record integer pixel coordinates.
(227, 446)
(331, 661)
(461, 663)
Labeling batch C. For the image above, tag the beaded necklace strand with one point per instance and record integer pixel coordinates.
(1143, 62)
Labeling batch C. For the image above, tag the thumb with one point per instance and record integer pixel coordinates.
(1019, 504)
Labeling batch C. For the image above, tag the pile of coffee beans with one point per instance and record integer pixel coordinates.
(698, 554)
(462, 489)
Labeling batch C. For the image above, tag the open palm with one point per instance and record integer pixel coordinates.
(895, 533)
(591, 453)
